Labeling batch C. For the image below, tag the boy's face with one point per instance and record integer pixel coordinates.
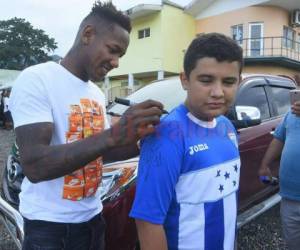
(211, 87)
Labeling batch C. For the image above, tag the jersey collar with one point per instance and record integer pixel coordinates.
(205, 124)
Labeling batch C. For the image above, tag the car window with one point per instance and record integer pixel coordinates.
(169, 92)
(281, 99)
(256, 97)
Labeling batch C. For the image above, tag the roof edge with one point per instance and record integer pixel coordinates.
(167, 2)
(136, 11)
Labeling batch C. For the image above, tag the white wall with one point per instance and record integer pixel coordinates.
(207, 8)
(222, 6)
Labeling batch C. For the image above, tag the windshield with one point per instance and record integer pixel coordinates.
(169, 92)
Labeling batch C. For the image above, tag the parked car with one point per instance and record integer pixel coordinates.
(264, 98)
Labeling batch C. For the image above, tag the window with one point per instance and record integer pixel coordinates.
(281, 100)
(237, 33)
(256, 41)
(144, 33)
(288, 37)
(255, 97)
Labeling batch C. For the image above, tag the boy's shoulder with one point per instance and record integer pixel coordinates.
(175, 119)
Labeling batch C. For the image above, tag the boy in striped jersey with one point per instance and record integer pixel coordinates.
(189, 168)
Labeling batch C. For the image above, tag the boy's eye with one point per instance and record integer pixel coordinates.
(230, 81)
(205, 79)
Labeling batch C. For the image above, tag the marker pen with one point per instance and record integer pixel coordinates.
(127, 102)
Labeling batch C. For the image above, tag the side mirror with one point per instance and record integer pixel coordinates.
(247, 116)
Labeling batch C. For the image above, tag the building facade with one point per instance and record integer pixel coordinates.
(160, 34)
(267, 30)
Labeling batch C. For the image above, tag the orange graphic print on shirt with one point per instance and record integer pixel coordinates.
(85, 119)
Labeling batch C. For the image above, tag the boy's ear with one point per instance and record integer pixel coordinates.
(184, 80)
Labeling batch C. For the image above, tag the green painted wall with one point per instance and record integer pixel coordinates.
(178, 29)
(142, 54)
(171, 31)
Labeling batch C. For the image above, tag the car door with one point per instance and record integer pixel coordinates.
(253, 141)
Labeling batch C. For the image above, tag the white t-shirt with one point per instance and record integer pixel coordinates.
(49, 93)
(5, 103)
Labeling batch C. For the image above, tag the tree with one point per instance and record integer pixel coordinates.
(21, 45)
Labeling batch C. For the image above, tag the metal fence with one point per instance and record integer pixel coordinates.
(270, 47)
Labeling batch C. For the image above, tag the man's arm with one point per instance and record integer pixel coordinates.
(121, 153)
(151, 236)
(41, 162)
(273, 152)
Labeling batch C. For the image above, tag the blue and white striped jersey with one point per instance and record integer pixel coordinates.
(188, 180)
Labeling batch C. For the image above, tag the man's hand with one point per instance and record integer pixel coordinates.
(138, 121)
(272, 154)
(296, 108)
(264, 170)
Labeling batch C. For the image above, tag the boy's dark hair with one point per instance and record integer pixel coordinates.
(214, 45)
(108, 12)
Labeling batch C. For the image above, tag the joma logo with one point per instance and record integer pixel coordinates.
(197, 148)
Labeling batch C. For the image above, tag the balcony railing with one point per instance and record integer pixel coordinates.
(270, 47)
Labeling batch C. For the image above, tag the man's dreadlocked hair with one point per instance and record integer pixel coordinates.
(108, 12)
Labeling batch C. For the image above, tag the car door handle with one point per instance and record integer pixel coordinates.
(272, 131)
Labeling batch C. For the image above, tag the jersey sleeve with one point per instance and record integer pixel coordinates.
(158, 173)
(29, 101)
(281, 129)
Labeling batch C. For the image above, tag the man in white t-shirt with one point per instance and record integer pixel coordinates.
(63, 134)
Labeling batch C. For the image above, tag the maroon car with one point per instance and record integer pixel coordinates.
(263, 98)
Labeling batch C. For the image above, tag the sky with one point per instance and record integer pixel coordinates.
(60, 19)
